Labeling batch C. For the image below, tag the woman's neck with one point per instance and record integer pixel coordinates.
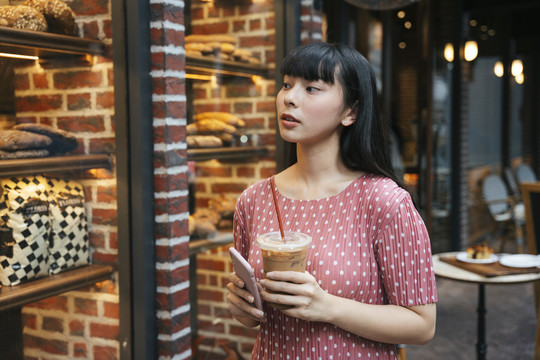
(318, 173)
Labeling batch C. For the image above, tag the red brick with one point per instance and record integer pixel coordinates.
(85, 306)
(77, 79)
(171, 109)
(97, 239)
(91, 123)
(211, 264)
(29, 321)
(171, 230)
(89, 8)
(228, 188)
(107, 29)
(102, 145)
(105, 100)
(206, 171)
(91, 30)
(167, 302)
(239, 25)
(104, 331)
(255, 41)
(38, 103)
(172, 254)
(171, 278)
(40, 81)
(52, 324)
(245, 171)
(169, 134)
(177, 346)
(266, 106)
(111, 310)
(243, 108)
(22, 82)
(104, 216)
(51, 346)
(52, 303)
(177, 323)
(102, 352)
(167, 183)
(76, 328)
(113, 240)
(80, 350)
(210, 295)
(104, 258)
(221, 27)
(106, 194)
(78, 101)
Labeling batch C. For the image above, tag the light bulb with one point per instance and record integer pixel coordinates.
(471, 50)
(449, 52)
(498, 69)
(517, 67)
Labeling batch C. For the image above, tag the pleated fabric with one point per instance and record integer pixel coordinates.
(369, 244)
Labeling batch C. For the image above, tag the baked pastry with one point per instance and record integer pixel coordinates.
(60, 18)
(23, 17)
(199, 38)
(12, 140)
(479, 252)
(24, 154)
(61, 141)
(203, 141)
(221, 116)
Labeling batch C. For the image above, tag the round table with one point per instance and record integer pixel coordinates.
(449, 271)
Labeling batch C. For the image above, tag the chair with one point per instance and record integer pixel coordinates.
(524, 173)
(504, 208)
(531, 201)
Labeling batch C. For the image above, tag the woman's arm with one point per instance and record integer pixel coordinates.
(383, 323)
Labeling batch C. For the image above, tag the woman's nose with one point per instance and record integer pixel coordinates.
(290, 97)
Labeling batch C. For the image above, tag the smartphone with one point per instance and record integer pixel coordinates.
(245, 272)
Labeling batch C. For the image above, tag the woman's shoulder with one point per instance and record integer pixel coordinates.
(255, 189)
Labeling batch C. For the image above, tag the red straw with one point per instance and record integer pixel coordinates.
(272, 185)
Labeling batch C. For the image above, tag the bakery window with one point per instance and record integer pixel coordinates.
(58, 247)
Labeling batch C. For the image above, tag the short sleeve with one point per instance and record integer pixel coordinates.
(403, 253)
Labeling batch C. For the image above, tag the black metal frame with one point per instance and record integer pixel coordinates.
(133, 115)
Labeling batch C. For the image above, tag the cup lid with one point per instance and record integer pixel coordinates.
(293, 241)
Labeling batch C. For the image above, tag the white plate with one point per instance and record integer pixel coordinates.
(462, 256)
(520, 260)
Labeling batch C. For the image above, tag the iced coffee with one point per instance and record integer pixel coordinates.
(288, 254)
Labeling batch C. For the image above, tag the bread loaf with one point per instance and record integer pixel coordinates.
(60, 18)
(222, 38)
(23, 17)
(222, 116)
(22, 140)
(203, 141)
(62, 141)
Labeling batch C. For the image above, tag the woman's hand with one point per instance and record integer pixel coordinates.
(240, 303)
(309, 300)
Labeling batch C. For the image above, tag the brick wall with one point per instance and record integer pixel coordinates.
(255, 103)
(79, 99)
(170, 179)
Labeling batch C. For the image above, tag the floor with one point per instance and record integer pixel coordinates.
(510, 323)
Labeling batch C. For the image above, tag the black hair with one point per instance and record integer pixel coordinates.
(364, 145)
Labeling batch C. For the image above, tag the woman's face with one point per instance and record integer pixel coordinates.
(310, 111)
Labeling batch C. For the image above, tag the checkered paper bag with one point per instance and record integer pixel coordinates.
(24, 229)
(68, 243)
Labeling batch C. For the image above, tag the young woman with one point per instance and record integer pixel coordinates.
(369, 280)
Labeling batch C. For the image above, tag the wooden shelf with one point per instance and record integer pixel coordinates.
(227, 153)
(42, 288)
(200, 245)
(53, 164)
(207, 65)
(47, 45)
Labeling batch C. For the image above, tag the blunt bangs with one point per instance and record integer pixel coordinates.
(312, 63)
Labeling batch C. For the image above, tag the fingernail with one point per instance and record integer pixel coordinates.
(270, 275)
(262, 281)
(250, 299)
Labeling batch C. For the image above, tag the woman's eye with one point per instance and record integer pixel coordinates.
(312, 89)
(285, 86)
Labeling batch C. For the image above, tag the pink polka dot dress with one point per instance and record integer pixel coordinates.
(369, 244)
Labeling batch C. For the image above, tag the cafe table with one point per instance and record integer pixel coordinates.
(447, 266)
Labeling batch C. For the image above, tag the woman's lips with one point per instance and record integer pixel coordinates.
(289, 120)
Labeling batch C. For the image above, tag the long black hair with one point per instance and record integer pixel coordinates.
(364, 145)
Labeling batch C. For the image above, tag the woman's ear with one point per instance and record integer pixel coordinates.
(350, 118)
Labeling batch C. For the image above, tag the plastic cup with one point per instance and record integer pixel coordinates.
(279, 255)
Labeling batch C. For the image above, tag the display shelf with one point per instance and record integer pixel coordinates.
(42, 288)
(46, 45)
(54, 164)
(221, 238)
(209, 66)
(227, 153)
